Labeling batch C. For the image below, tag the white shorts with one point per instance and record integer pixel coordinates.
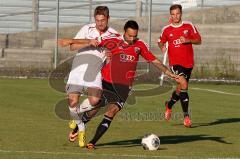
(86, 72)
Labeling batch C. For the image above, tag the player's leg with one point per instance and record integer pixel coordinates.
(104, 124)
(174, 98)
(86, 105)
(169, 104)
(83, 77)
(184, 97)
(116, 95)
(73, 99)
(93, 100)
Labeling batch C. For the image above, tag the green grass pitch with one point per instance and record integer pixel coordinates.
(30, 128)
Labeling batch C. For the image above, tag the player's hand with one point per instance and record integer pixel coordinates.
(184, 40)
(164, 49)
(93, 42)
(64, 42)
(174, 76)
(177, 78)
(108, 55)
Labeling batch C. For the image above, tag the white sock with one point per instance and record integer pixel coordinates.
(81, 126)
(74, 113)
(85, 106)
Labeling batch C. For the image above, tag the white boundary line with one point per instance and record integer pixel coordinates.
(87, 153)
(215, 91)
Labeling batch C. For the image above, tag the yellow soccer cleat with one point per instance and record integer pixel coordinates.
(72, 136)
(72, 124)
(81, 139)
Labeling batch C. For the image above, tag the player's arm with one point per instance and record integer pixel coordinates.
(157, 63)
(162, 46)
(74, 47)
(196, 41)
(76, 44)
(64, 42)
(67, 42)
(194, 38)
(162, 41)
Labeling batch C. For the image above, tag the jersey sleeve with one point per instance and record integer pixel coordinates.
(163, 36)
(194, 33)
(146, 53)
(82, 32)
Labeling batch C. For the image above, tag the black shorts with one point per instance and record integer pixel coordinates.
(180, 70)
(115, 93)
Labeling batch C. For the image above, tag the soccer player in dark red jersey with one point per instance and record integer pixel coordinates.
(119, 72)
(180, 36)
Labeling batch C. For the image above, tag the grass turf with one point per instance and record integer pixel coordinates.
(30, 128)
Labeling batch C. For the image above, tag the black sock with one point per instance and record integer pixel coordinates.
(75, 130)
(175, 97)
(184, 98)
(102, 128)
(85, 118)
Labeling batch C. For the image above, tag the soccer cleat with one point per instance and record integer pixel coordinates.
(90, 146)
(72, 136)
(168, 112)
(187, 122)
(72, 124)
(81, 138)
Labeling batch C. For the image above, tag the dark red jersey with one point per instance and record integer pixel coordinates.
(122, 67)
(178, 53)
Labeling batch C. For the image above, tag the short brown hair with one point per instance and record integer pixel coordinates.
(176, 6)
(101, 10)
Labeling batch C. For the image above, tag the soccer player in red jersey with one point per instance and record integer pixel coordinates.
(180, 36)
(118, 73)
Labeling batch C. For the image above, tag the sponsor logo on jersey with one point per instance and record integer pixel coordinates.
(137, 50)
(185, 32)
(177, 42)
(126, 58)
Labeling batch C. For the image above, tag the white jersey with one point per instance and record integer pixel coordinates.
(87, 64)
(90, 31)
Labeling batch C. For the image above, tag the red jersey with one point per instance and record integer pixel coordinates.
(122, 67)
(178, 53)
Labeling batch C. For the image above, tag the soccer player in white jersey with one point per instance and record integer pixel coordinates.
(85, 74)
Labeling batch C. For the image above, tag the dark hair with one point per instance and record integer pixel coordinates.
(101, 10)
(176, 6)
(131, 24)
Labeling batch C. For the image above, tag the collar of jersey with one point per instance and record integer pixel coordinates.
(177, 26)
(124, 40)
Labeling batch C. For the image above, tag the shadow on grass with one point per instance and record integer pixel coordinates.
(217, 122)
(177, 139)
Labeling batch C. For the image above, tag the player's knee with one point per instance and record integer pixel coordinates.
(184, 86)
(72, 102)
(184, 95)
(112, 112)
(183, 83)
(94, 100)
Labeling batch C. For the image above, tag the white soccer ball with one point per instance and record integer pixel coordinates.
(150, 142)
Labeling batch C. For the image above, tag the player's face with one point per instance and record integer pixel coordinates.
(101, 22)
(130, 35)
(176, 16)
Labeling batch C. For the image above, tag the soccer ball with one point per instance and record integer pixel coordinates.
(150, 142)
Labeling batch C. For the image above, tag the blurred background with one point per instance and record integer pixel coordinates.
(29, 30)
